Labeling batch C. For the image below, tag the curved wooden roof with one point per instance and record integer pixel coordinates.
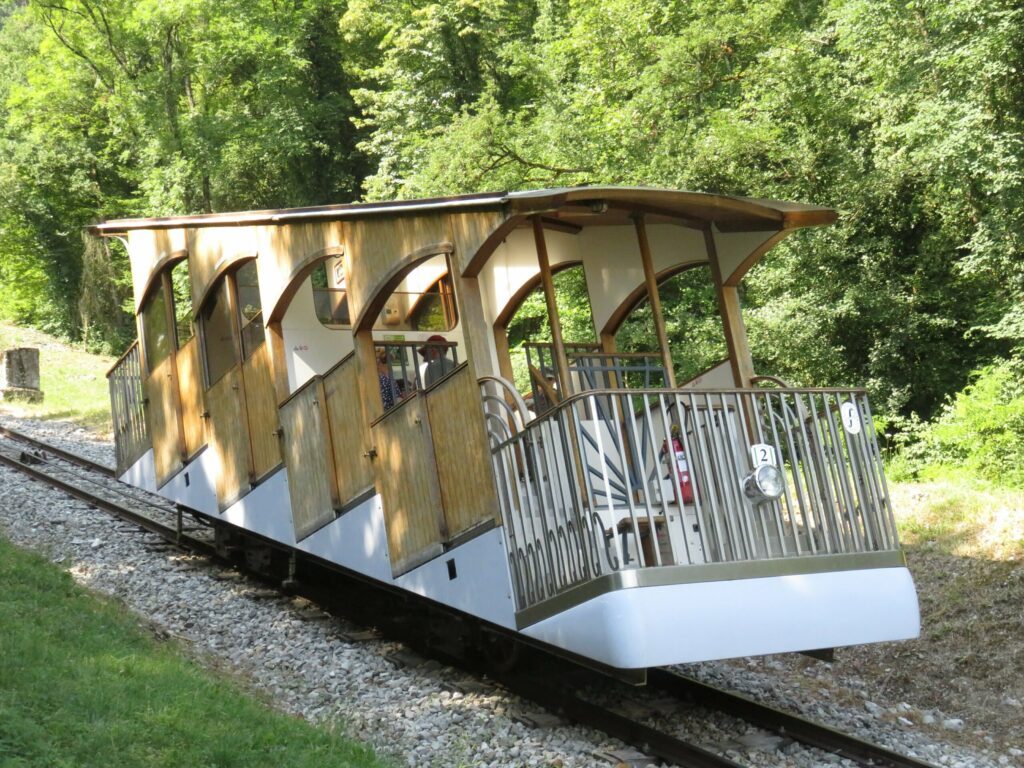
(574, 205)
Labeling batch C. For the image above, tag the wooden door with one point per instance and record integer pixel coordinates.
(463, 454)
(307, 455)
(261, 416)
(190, 386)
(349, 433)
(407, 478)
(162, 420)
(229, 437)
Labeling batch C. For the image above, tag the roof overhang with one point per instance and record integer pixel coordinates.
(579, 206)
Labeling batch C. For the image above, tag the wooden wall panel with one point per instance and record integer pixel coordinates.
(469, 231)
(307, 455)
(464, 470)
(228, 437)
(190, 387)
(376, 246)
(407, 479)
(349, 432)
(261, 406)
(162, 420)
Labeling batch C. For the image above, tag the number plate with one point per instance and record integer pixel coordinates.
(762, 453)
(851, 417)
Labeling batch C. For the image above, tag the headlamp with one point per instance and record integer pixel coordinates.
(763, 484)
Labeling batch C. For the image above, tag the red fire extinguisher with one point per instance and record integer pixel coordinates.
(682, 466)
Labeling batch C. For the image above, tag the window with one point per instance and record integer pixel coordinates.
(181, 287)
(156, 335)
(423, 301)
(219, 343)
(329, 294)
(250, 310)
(692, 320)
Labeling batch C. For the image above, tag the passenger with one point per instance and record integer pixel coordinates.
(389, 394)
(437, 363)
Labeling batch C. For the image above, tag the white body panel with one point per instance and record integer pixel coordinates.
(482, 586)
(656, 626)
(629, 628)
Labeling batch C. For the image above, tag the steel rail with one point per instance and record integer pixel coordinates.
(807, 732)
(172, 534)
(657, 744)
(553, 697)
(84, 463)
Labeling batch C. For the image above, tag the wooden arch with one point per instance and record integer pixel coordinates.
(514, 302)
(228, 266)
(165, 261)
(380, 293)
(638, 294)
(302, 269)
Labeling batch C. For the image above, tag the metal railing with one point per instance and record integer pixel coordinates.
(614, 479)
(415, 365)
(128, 408)
(590, 368)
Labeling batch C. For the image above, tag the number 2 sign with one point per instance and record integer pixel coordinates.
(761, 453)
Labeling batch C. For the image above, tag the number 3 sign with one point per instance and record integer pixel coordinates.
(851, 417)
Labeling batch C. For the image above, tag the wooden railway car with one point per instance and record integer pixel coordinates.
(339, 380)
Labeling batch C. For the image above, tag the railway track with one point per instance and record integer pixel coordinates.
(95, 484)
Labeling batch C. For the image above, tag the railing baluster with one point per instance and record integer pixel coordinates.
(775, 505)
(809, 461)
(670, 459)
(793, 474)
(883, 515)
(636, 443)
(616, 421)
(692, 463)
(833, 500)
(841, 470)
(828, 481)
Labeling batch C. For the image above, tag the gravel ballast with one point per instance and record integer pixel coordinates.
(300, 660)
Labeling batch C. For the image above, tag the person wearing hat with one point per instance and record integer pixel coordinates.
(437, 363)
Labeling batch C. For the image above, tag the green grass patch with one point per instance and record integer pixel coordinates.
(82, 685)
(957, 514)
(73, 381)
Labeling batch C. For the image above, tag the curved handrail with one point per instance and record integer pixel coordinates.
(122, 358)
(771, 380)
(521, 410)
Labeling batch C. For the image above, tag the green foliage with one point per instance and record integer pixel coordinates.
(980, 430)
(907, 117)
(692, 323)
(125, 108)
(82, 685)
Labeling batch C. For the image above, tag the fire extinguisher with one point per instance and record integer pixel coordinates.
(682, 466)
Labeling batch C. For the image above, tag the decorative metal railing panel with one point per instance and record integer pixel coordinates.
(590, 368)
(128, 408)
(614, 479)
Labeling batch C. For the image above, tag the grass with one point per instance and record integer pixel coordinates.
(962, 516)
(82, 685)
(73, 381)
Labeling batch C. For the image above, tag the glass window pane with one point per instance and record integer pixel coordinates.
(156, 335)
(218, 336)
(181, 284)
(330, 298)
(250, 309)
